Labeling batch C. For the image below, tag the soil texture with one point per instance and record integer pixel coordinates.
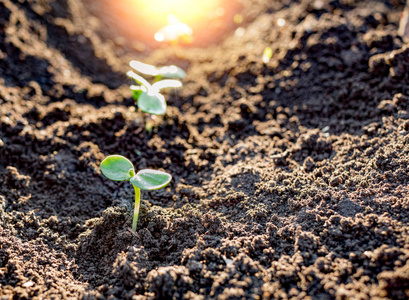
(290, 177)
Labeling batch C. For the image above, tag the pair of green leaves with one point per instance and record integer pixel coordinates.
(119, 168)
(148, 96)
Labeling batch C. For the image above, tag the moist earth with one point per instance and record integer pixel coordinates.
(290, 178)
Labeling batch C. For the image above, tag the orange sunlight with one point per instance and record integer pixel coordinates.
(187, 11)
(153, 21)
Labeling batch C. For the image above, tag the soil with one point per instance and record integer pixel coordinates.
(290, 178)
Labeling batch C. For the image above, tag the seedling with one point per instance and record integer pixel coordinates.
(119, 168)
(148, 96)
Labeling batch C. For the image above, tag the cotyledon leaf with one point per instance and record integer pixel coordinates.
(166, 72)
(137, 91)
(141, 88)
(144, 68)
(152, 103)
(172, 72)
(166, 83)
(117, 167)
(151, 179)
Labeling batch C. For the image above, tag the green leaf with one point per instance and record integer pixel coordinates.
(136, 94)
(172, 72)
(151, 179)
(152, 103)
(137, 91)
(117, 167)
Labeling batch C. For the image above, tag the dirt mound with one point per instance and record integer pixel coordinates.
(290, 178)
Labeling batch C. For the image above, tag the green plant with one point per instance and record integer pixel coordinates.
(148, 96)
(119, 168)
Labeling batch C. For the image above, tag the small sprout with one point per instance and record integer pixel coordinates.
(119, 168)
(268, 53)
(148, 100)
(148, 96)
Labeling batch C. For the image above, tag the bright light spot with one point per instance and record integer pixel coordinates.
(147, 20)
(238, 19)
(187, 11)
(28, 284)
(281, 22)
(159, 37)
(239, 32)
(172, 19)
(318, 4)
(174, 31)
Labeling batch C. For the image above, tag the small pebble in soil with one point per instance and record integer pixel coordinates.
(281, 22)
(28, 284)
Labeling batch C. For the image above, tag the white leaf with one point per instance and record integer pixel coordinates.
(144, 68)
(166, 83)
(139, 79)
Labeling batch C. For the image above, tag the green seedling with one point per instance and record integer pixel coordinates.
(147, 96)
(119, 168)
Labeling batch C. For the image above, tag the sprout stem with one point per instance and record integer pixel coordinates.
(136, 208)
(157, 78)
(149, 124)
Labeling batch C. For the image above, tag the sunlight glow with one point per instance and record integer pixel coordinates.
(187, 11)
(174, 31)
(174, 22)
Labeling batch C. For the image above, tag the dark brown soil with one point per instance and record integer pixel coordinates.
(290, 179)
